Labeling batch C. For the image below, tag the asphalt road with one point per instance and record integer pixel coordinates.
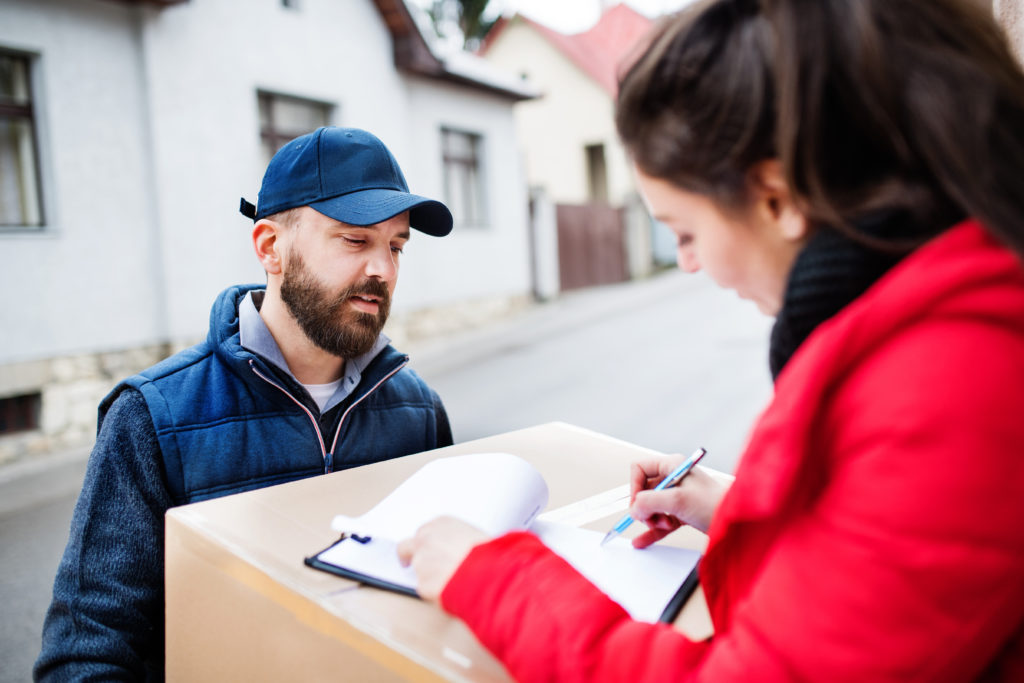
(671, 363)
(36, 502)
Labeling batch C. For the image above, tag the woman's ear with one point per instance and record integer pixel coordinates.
(266, 240)
(774, 201)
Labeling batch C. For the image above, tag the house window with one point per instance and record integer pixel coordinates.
(20, 200)
(597, 173)
(284, 118)
(463, 177)
(20, 413)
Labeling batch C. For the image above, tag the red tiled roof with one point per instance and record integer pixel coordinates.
(597, 51)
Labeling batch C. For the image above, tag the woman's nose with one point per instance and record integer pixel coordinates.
(686, 259)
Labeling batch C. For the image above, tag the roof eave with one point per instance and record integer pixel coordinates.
(411, 51)
(514, 95)
(413, 55)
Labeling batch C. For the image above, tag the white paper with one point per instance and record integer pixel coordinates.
(499, 492)
(641, 581)
(378, 558)
(495, 492)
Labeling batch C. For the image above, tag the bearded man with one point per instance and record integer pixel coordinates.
(294, 379)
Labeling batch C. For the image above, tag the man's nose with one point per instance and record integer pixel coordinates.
(381, 264)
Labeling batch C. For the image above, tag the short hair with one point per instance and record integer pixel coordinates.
(288, 218)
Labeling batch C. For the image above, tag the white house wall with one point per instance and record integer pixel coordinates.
(472, 262)
(87, 280)
(150, 134)
(573, 111)
(209, 58)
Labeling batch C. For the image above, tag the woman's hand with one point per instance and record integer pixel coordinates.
(436, 551)
(692, 502)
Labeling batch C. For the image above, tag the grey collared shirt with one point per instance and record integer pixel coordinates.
(255, 336)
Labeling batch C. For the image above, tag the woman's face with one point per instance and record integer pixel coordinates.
(750, 251)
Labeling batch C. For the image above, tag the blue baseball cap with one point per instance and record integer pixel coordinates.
(346, 174)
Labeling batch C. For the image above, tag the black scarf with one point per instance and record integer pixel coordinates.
(831, 271)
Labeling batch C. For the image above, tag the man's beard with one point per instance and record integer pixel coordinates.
(330, 321)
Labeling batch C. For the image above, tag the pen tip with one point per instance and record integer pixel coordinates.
(607, 537)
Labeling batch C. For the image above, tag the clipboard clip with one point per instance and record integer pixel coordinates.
(355, 537)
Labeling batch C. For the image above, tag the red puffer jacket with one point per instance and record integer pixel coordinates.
(875, 530)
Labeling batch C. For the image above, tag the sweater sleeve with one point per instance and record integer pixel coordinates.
(444, 428)
(106, 618)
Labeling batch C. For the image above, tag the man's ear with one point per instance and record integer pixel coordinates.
(266, 240)
(775, 202)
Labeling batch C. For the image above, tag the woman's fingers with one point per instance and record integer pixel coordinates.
(435, 552)
(646, 474)
(693, 502)
(649, 505)
(649, 537)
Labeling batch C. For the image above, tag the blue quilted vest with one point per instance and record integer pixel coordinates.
(226, 422)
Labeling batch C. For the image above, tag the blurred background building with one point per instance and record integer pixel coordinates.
(1010, 14)
(571, 151)
(130, 128)
(128, 132)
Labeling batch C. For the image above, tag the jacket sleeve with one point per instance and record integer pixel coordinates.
(106, 618)
(860, 618)
(546, 622)
(905, 564)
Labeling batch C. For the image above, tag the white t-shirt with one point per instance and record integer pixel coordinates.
(322, 393)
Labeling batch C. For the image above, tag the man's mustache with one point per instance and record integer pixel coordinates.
(374, 288)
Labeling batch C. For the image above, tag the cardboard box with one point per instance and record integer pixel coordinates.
(241, 605)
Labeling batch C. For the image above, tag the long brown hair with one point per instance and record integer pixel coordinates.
(915, 106)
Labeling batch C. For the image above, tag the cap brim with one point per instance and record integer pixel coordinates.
(367, 207)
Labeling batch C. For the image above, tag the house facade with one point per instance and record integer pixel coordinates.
(130, 129)
(571, 148)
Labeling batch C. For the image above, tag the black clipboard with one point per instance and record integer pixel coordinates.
(675, 605)
(668, 615)
(315, 562)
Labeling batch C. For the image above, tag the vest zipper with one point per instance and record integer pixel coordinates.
(327, 457)
(337, 433)
(316, 425)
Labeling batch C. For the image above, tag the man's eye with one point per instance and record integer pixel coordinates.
(684, 240)
(353, 240)
(397, 249)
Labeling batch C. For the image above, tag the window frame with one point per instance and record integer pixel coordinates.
(272, 137)
(29, 112)
(478, 161)
(596, 159)
(21, 413)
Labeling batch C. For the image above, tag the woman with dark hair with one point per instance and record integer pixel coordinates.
(856, 167)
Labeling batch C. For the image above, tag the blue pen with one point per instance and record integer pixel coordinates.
(673, 479)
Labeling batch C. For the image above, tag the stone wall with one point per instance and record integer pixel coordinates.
(70, 389)
(431, 324)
